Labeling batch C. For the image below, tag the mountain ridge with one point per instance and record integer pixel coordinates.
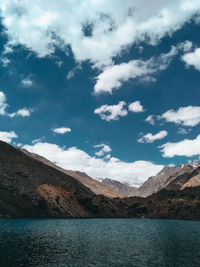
(113, 188)
(93, 184)
(32, 189)
(163, 179)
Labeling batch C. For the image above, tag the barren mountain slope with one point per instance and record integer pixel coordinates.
(29, 188)
(91, 183)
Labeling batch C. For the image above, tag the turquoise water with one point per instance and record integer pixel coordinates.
(99, 242)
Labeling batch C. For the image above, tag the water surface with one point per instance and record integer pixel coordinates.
(99, 242)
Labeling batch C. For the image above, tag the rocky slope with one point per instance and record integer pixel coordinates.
(96, 187)
(167, 204)
(32, 189)
(29, 188)
(122, 188)
(170, 178)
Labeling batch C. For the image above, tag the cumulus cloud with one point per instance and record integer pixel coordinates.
(24, 112)
(105, 149)
(150, 138)
(109, 27)
(76, 159)
(187, 116)
(7, 136)
(186, 147)
(193, 58)
(27, 82)
(114, 24)
(135, 107)
(150, 119)
(112, 112)
(113, 76)
(61, 130)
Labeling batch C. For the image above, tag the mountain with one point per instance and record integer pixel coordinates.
(169, 178)
(32, 189)
(165, 204)
(96, 187)
(122, 188)
(187, 177)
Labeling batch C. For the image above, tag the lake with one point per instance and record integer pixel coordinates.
(99, 242)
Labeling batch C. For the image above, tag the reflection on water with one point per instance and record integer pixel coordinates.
(99, 242)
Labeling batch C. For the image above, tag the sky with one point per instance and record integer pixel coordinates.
(110, 88)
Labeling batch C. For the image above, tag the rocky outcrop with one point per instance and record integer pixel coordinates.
(192, 182)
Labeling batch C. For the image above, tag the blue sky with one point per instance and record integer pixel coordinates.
(105, 87)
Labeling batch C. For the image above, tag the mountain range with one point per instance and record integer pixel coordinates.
(33, 187)
(174, 178)
(170, 177)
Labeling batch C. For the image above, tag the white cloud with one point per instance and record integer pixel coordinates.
(3, 104)
(61, 130)
(104, 150)
(27, 82)
(150, 119)
(112, 112)
(150, 138)
(183, 130)
(70, 74)
(7, 49)
(5, 61)
(113, 76)
(24, 112)
(135, 107)
(76, 159)
(187, 116)
(7, 136)
(108, 156)
(115, 24)
(193, 58)
(59, 63)
(38, 140)
(186, 147)
(185, 46)
(147, 79)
